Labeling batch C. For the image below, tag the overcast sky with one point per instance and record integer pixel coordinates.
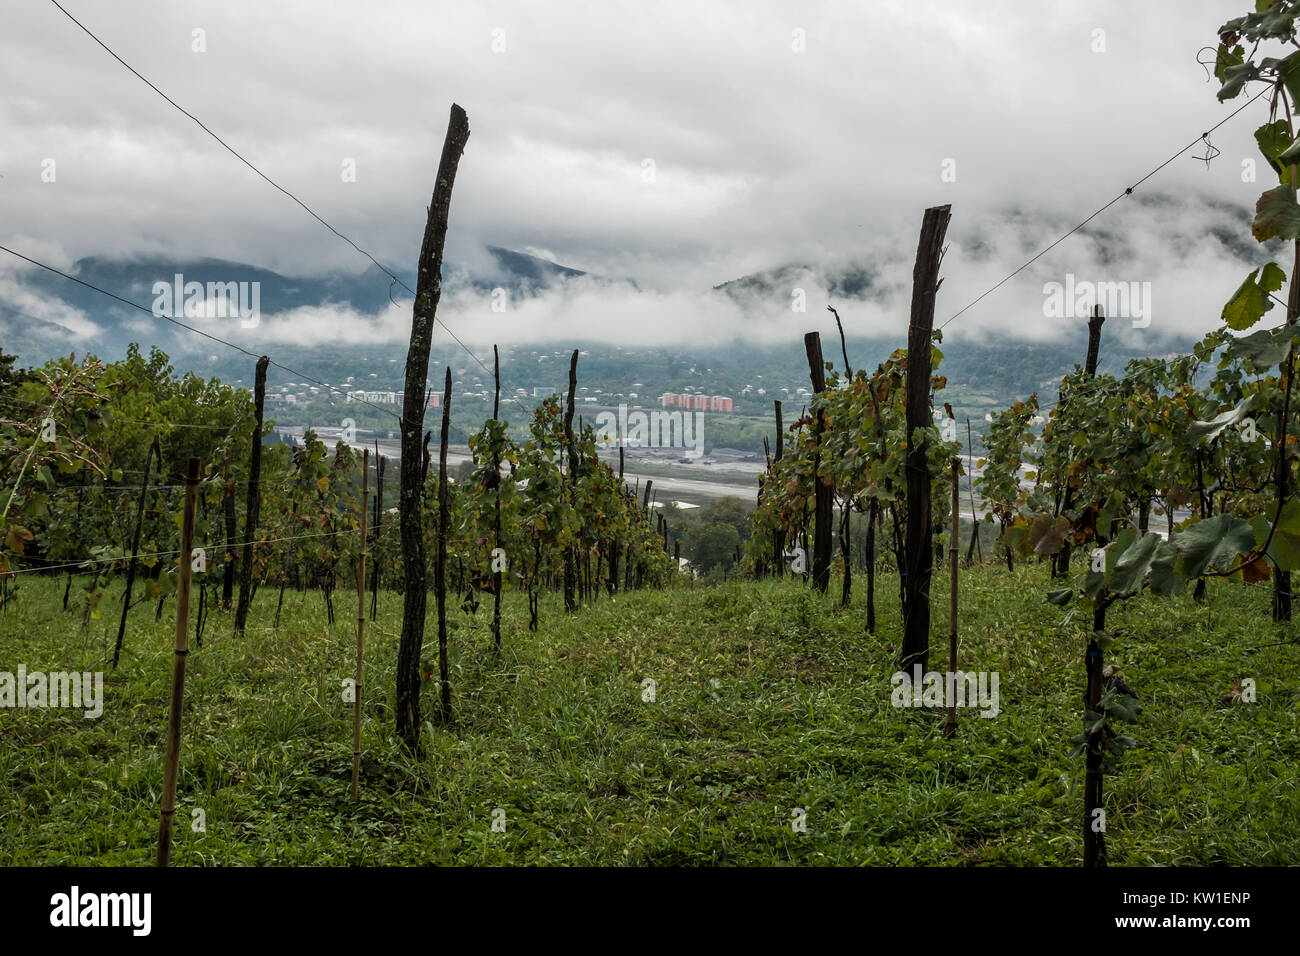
(777, 132)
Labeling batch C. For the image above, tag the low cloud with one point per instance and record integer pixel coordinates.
(1189, 254)
(20, 304)
(776, 132)
(1185, 252)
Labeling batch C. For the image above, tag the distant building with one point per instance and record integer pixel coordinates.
(374, 398)
(702, 403)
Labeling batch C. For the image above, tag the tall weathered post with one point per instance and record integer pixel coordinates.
(822, 492)
(1094, 341)
(1061, 565)
(253, 503)
(918, 550)
(428, 290)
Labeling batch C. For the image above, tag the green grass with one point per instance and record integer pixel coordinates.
(768, 698)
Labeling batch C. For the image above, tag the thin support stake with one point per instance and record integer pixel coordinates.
(361, 625)
(182, 649)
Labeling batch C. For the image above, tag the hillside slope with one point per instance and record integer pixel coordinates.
(768, 701)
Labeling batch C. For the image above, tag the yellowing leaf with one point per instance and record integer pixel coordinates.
(16, 538)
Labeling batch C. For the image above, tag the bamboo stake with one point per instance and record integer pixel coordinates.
(496, 467)
(950, 726)
(173, 757)
(361, 625)
(379, 508)
(440, 565)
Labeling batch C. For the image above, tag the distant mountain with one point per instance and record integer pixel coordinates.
(524, 273)
(849, 282)
(367, 292)
(980, 374)
(1227, 224)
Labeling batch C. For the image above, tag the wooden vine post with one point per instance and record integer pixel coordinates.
(612, 584)
(153, 451)
(763, 480)
(571, 485)
(361, 625)
(778, 535)
(254, 500)
(846, 524)
(1282, 579)
(970, 487)
(171, 765)
(232, 532)
(918, 552)
(1094, 834)
(1061, 567)
(822, 492)
(428, 291)
(873, 515)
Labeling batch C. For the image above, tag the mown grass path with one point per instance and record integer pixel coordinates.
(767, 700)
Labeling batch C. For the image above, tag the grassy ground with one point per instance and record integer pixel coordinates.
(767, 699)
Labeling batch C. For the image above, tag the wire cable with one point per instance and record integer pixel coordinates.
(311, 212)
(1128, 191)
(190, 328)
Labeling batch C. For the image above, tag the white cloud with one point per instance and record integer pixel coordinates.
(763, 156)
(15, 296)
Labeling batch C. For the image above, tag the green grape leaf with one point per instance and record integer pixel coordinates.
(1277, 215)
(1251, 300)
